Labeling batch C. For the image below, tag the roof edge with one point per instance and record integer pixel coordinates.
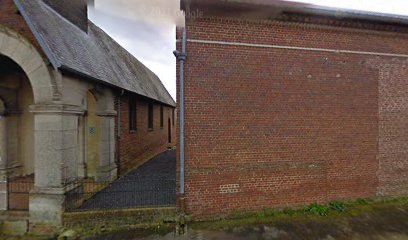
(55, 62)
(41, 42)
(67, 69)
(279, 6)
(143, 64)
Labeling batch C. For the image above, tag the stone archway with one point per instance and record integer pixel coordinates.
(93, 136)
(100, 142)
(22, 52)
(48, 113)
(28, 82)
(57, 129)
(16, 135)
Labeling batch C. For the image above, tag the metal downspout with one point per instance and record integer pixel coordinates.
(181, 57)
(119, 129)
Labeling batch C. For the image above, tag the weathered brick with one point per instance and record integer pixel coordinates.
(272, 127)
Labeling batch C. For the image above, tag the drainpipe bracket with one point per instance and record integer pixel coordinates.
(182, 57)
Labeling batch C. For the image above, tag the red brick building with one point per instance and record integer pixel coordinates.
(139, 141)
(288, 104)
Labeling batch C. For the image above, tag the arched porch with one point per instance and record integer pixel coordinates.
(37, 131)
(46, 131)
(16, 135)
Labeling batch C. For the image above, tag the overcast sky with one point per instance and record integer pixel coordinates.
(146, 28)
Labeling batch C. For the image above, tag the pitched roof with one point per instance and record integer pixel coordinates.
(299, 7)
(93, 54)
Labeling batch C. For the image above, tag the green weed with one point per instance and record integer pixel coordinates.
(338, 206)
(317, 209)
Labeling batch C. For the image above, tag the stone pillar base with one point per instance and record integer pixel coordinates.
(11, 171)
(47, 206)
(3, 194)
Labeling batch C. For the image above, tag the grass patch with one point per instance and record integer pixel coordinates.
(326, 217)
(334, 211)
(338, 206)
(318, 209)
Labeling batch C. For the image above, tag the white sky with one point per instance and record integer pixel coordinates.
(399, 7)
(146, 28)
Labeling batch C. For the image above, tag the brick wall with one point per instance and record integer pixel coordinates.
(12, 19)
(393, 137)
(137, 147)
(272, 127)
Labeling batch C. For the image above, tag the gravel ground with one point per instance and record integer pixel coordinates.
(152, 184)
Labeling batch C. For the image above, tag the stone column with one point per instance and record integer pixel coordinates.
(3, 162)
(9, 165)
(3, 141)
(107, 170)
(81, 147)
(56, 165)
(14, 165)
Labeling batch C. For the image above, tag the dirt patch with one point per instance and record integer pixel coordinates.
(360, 220)
(381, 219)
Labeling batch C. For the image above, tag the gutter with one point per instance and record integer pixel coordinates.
(181, 57)
(118, 134)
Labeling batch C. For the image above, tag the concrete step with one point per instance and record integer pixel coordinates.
(14, 215)
(13, 228)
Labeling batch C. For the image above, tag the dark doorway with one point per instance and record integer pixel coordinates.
(169, 129)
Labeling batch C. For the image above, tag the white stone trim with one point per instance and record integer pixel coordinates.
(338, 51)
(62, 109)
(229, 188)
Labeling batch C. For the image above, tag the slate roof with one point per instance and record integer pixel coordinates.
(93, 54)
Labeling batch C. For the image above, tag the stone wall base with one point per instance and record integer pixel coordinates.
(46, 208)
